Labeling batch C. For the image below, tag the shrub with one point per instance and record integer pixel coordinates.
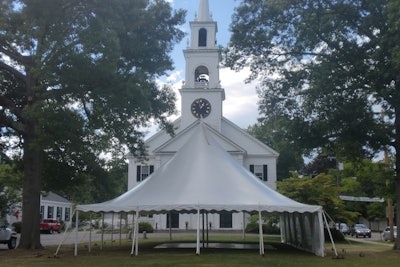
(267, 228)
(17, 227)
(336, 235)
(145, 226)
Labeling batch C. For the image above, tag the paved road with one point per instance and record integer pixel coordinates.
(69, 238)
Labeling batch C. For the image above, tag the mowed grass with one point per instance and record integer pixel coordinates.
(113, 254)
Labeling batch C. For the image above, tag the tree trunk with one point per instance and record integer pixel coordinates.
(30, 232)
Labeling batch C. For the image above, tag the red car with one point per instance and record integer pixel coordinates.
(50, 226)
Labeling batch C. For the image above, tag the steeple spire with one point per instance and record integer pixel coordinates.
(204, 11)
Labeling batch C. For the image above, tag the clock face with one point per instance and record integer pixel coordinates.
(200, 108)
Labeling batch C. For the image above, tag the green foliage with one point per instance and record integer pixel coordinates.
(320, 190)
(325, 67)
(270, 224)
(79, 80)
(319, 67)
(272, 134)
(10, 187)
(145, 227)
(336, 235)
(17, 227)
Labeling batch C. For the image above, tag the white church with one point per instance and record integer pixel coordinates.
(202, 100)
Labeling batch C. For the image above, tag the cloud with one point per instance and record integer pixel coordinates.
(240, 105)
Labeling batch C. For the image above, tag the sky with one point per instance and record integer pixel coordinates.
(240, 104)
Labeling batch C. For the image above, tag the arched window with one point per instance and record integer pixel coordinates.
(202, 37)
(201, 74)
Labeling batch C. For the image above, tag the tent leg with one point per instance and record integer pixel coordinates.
(207, 229)
(261, 238)
(198, 233)
(76, 233)
(120, 229)
(202, 229)
(102, 231)
(90, 233)
(170, 225)
(112, 228)
(244, 226)
(137, 234)
(133, 232)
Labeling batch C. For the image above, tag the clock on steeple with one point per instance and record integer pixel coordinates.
(202, 89)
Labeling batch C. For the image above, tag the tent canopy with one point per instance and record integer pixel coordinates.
(201, 175)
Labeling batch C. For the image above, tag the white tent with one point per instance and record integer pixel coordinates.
(201, 176)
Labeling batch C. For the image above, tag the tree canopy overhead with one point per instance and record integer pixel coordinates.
(78, 78)
(328, 68)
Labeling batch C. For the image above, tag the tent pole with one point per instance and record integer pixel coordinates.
(244, 226)
(120, 228)
(198, 233)
(330, 234)
(90, 233)
(202, 229)
(133, 232)
(170, 225)
(207, 227)
(137, 233)
(261, 238)
(112, 229)
(102, 231)
(76, 232)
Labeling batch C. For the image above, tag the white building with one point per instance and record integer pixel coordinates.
(52, 206)
(202, 98)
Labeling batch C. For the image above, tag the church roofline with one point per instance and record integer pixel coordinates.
(274, 152)
(239, 149)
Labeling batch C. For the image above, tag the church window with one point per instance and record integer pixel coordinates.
(50, 212)
(261, 171)
(143, 171)
(202, 37)
(59, 213)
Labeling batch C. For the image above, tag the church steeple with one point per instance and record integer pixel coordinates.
(204, 12)
(202, 70)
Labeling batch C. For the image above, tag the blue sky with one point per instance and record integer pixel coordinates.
(240, 105)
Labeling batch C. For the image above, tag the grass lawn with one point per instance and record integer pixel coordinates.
(354, 254)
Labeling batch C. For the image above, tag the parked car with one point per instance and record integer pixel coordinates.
(343, 228)
(360, 229)
(386, 233)
(50, 225)
(7, 236)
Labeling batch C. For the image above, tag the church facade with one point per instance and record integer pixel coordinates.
(202, 99)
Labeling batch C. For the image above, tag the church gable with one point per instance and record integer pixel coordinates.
(180, 139)
(242, 138)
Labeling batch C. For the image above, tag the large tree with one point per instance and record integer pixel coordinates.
(330, 68)
(78, 79)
